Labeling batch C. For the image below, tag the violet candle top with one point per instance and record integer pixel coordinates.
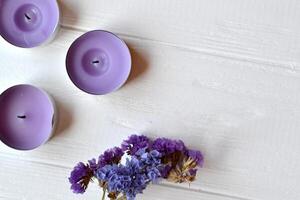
(26, 117)
(98, 62)
(28, 23)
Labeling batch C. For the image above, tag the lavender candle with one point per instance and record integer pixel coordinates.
(98, 62)
(27, 117)
(28, 23)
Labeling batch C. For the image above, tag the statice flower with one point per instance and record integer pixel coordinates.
(153, 158)
(166, 170)
(186, 169)
(196, 156)
(80, 177)
(133, 177)
(193, 171)
(147, 163)
(138, 177)
(134, 143)
(128, 179)
(151, 161)
(105, 173)
(167, 146)
(93, 164)
(110, 156)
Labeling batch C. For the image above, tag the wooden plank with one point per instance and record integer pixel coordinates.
(245, 119)
(263, 32)
(29, 180)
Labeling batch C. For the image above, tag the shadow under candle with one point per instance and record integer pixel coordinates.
(139, 64)
(63, 119)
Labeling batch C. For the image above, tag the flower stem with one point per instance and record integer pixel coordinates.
(104, 192)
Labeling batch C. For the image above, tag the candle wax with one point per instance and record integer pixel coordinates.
(98, 62)
(28, 23)
(26, 117)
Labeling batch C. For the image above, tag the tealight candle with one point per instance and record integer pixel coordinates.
(28, 23)
(27, 117)
(98, 62)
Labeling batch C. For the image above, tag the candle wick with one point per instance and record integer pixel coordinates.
(27, 16)
(96, 62)
(21, 116)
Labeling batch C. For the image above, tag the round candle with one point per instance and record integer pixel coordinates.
(26, 117)
(28, 23)
(98, 62)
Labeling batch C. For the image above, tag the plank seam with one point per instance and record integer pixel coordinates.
(40, 162)
(237, 197)
(290, 68)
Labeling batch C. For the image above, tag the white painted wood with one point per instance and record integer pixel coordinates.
(44, 181)
(254, 30)
(221, 75)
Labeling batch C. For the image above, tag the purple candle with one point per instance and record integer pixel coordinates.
(28, 23)
(98, 62)
(27, 117)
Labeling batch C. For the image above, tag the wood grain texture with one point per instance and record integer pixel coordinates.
(258, 31)
(221, 75)
(53, 184)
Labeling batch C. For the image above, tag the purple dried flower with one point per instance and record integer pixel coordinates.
(110, 156)
(139, 179)
(148, 162)
(197, 156)
(153, 174)
(93, 164)
(153, 158)
(133, 177)
(80, 177)
(151, 162)
(106, 172)
(129, 179)
(165, 171)
(167, 146)
(134, 143)
(193, 172)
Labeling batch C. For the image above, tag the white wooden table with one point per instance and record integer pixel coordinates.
(223, 75)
